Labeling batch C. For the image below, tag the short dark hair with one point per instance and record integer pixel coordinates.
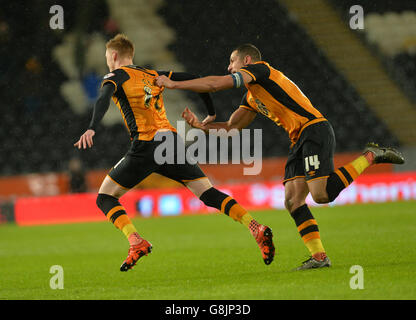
(248, 49)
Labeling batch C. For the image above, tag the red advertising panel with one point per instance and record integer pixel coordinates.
(57, 209)
(179, 201)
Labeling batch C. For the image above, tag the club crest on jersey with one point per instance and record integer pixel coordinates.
(108, 75)
(262, 108)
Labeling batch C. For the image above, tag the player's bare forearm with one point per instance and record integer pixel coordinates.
(240, 119)
(201, 85)
(206, 84)
(228, 125)
(218, 125)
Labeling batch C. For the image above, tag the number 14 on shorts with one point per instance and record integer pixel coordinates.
(312, 161)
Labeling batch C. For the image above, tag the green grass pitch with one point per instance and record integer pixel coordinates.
(211, 257)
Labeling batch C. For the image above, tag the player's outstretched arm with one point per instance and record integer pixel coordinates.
(100, 108)
(205, 96)
(206, 84)
(85, 140)
(240, 119)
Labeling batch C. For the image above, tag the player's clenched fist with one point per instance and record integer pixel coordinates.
(85, 140)
(163, 81)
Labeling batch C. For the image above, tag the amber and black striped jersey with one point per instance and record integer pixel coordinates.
(278, 98)
(139, 100)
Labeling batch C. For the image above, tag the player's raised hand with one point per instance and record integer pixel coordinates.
(191, 119)
(163, 81)
(85, 140)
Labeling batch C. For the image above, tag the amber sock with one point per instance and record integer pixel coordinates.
(116, 214)
(344, 176)
(308, 229)
(227, 205)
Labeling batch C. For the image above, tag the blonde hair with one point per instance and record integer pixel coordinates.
(121, 44)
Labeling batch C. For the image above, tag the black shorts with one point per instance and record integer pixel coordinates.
(139, 162)
(312, 157)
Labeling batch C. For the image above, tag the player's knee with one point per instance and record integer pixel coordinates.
(199, 186)
(320, 197)
(99, 201)
(292, 203)
(213, 198)
(106, 202)
(288, 204)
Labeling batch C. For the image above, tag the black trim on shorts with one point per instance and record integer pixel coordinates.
(139, 162)
(318, 139)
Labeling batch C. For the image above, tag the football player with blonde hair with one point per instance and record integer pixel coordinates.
(142, 107)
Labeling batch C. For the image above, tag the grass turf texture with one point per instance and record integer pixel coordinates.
(212, 257)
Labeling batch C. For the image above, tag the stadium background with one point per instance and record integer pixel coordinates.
(362, 80)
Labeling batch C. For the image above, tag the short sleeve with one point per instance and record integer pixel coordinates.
(178, 76)
(245, 104)
(165, 73)
(117, 77)
(257, 71)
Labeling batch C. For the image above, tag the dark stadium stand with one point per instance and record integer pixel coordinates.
(401, 66)
(285, 45)
(38, 128)
(403, 69)
(379, 6)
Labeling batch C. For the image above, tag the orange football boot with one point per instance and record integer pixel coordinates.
(264, 238)
(135, 253)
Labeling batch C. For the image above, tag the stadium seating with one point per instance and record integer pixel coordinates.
(39, 126)
(390, 30)
(287, 47)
